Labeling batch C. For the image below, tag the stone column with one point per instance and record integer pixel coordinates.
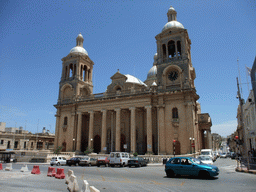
(161, 130)
(79, 132)
(112, 131)
(133, 129)
(57, 131)
(149, 128)
(118, 129)
(90, 144)
(176, 50)
(104, 131)
(209, 139)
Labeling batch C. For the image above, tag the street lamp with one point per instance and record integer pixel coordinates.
(190, 138)
(74, 144)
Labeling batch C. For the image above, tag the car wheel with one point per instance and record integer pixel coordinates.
(129, 166)
(58, 164)
(98, 165)
(139, 165)
(170, 173)
(89, 165)
(111, 165)
(51, 164)
(76, 164)
(106, 165)
(204, 174)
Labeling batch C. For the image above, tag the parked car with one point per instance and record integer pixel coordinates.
(58, 161)
(137, 162)
(73, 161)
(208, 152)
(103, 161)
(88, 161)
(223, 155)
(189, 166)
(205, 159)
(118, 158)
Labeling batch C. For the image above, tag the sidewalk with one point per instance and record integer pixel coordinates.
(244, 170)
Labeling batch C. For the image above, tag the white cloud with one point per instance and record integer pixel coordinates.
(226, 128)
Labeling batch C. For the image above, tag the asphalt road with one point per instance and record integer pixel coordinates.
(150, 178)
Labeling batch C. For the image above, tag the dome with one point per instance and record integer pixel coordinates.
(152, 72)
(171, 9)
(78, 49)
(80, 35)
(132, 79)
(173, 25)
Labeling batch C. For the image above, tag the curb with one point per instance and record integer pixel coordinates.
(245, 171)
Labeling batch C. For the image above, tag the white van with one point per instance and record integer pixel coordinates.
(207, 152)
(118, 158)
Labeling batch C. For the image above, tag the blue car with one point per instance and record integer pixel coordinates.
(189, 166)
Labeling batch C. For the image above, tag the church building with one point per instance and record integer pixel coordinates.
(158, 116)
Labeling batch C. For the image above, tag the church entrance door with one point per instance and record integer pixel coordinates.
(97, 144)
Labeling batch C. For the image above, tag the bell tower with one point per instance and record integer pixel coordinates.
(76, 78)
(174, 67)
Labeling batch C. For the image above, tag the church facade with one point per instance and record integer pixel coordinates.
(158, 116)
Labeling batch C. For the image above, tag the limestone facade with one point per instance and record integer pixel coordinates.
(134, 116)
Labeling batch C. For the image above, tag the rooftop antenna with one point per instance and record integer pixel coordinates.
(248, 73)
(239, 77)
(37, 133)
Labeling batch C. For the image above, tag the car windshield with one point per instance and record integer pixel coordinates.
(204, 158)
(205, 153)
(85, 159)
(134, 158)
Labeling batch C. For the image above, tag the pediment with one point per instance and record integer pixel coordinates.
(118, 76)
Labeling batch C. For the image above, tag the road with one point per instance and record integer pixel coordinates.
(150, 178)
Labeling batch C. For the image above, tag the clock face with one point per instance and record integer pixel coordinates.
(173, 75)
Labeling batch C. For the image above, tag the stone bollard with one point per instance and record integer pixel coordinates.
(86, 187)
(93, 189)
(8, 167)
(24, 169)
(73, 185)
(70, 172)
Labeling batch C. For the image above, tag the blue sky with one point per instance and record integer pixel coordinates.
(36, 35)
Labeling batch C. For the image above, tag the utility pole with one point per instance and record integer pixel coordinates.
(241, 102)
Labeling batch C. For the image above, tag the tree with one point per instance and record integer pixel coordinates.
(88, 150)
(58, 150)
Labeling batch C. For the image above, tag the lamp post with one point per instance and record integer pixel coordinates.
(74, 144)
(194, 146)
(190, 138)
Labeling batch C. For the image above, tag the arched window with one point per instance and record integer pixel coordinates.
(171, 49)
(179, 48)
(65, 121)
(164, 50)
(71, 70)
(175, 113)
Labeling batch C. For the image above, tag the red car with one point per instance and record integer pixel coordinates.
(103, 161)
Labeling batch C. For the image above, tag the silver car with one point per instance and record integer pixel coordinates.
(58, 161)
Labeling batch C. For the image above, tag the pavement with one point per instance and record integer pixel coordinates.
(245, 170)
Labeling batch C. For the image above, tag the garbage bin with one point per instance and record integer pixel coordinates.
(164, 160)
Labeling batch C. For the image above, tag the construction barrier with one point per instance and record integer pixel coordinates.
(1, 166)
(70, 172)
(51, 172)
(60, 174)
(93, 189)
(73, 185)
(8, 167)
(36, 170)
(24, 169)
(85, 187)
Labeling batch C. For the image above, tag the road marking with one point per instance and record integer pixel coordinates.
(103, 179)
(182, 183)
